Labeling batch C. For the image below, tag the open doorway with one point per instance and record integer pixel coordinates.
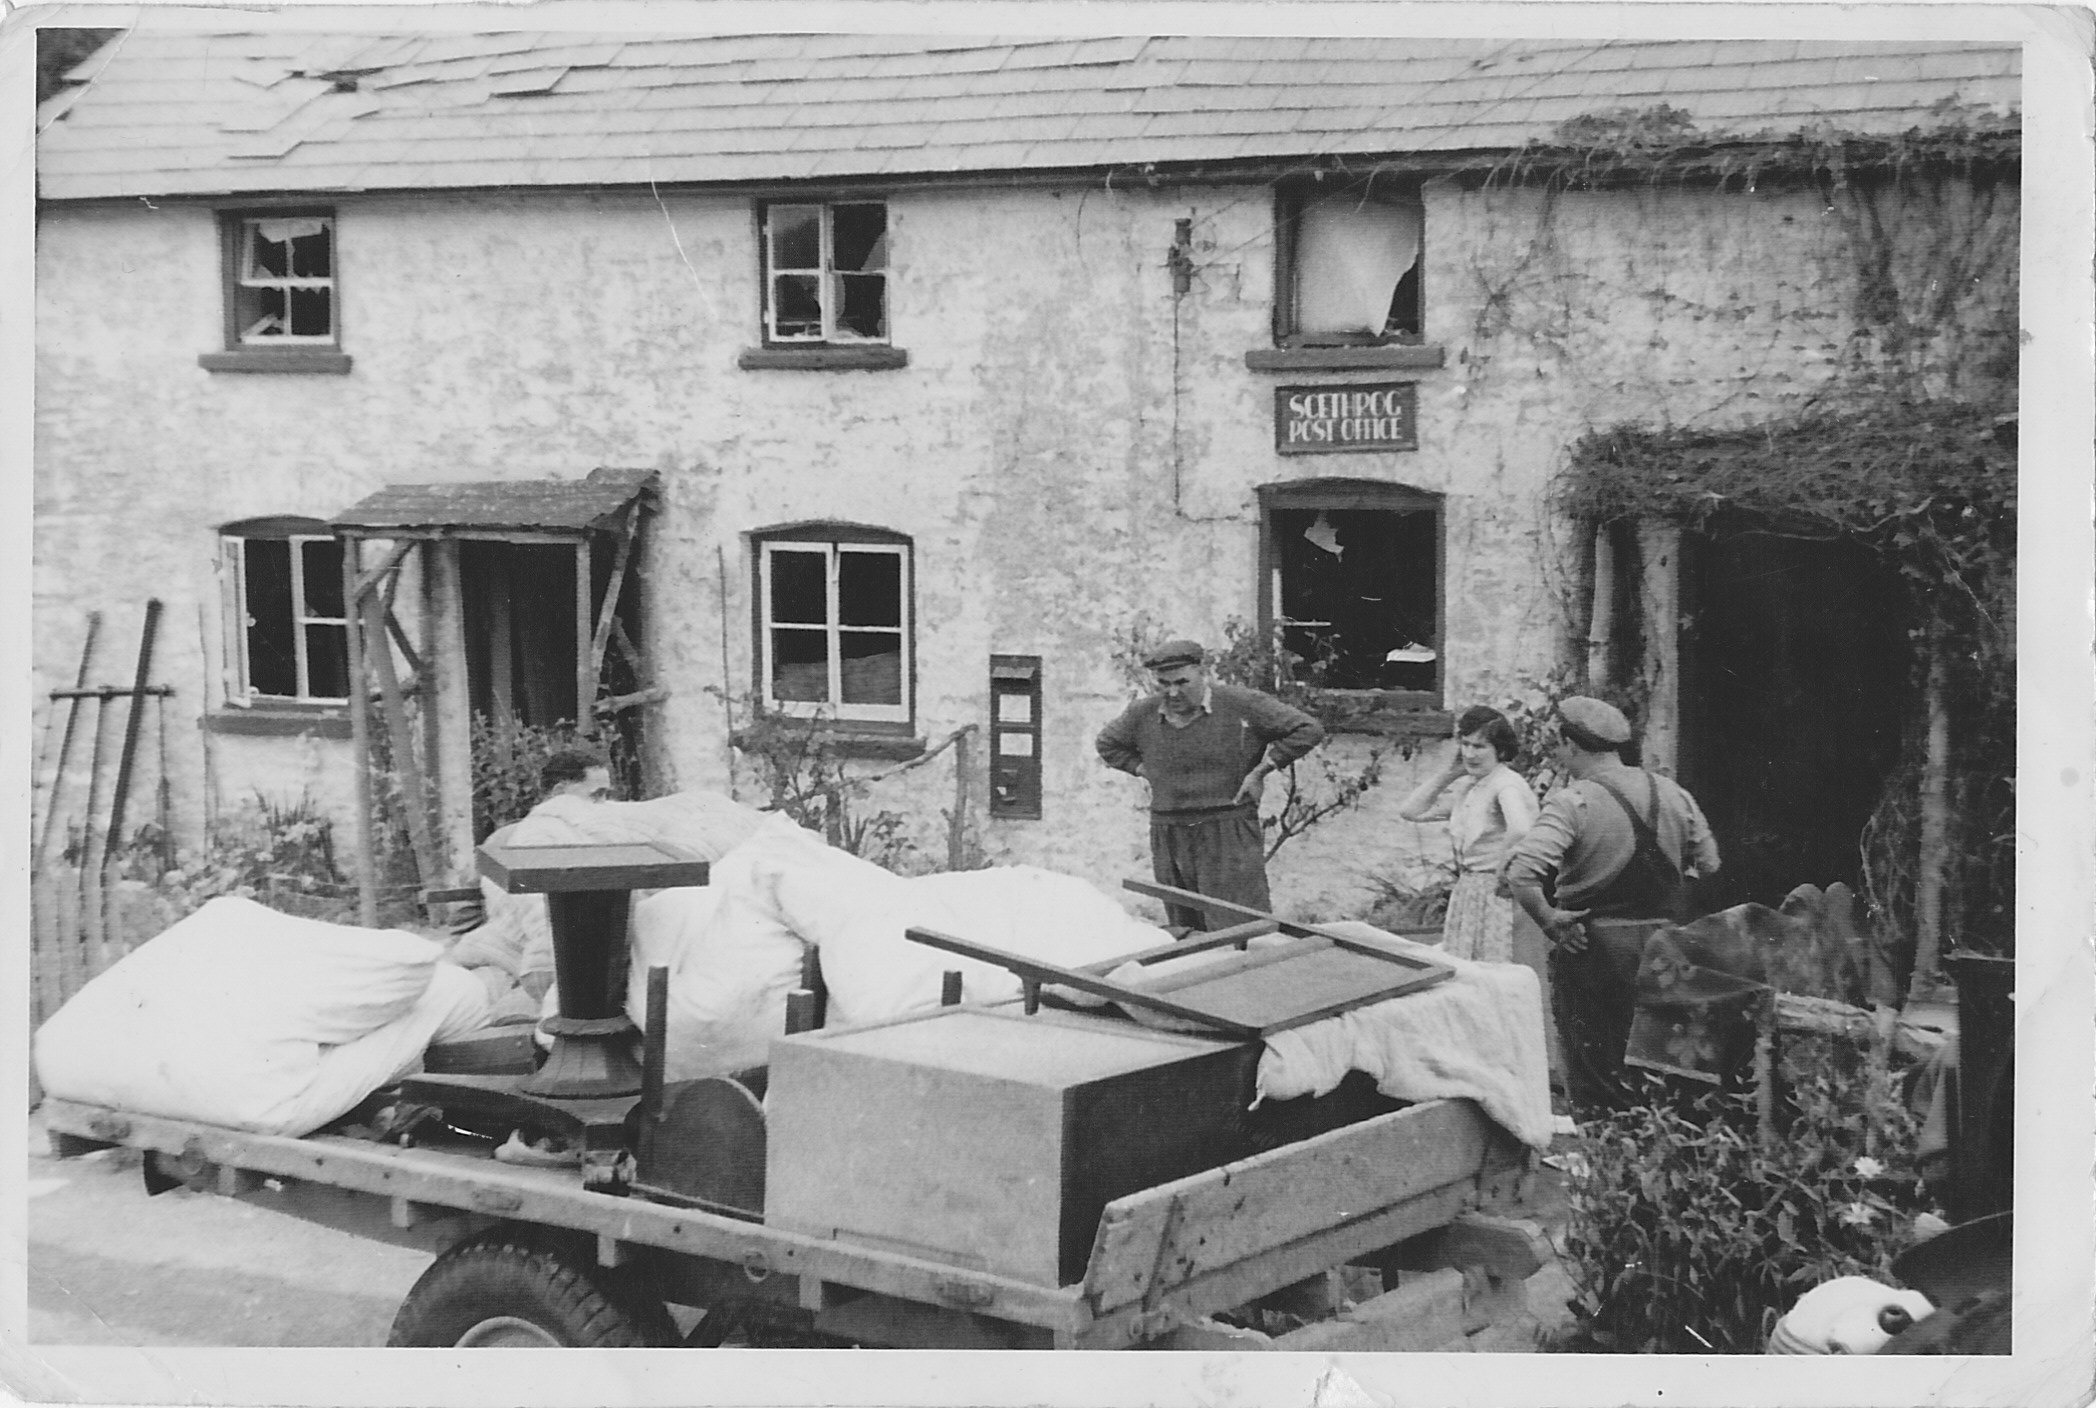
(525, 646)
(1795, 682)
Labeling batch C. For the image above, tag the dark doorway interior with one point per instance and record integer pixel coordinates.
(519, 601)
(1795, 680)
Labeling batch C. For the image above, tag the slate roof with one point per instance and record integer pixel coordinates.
(168, 112)
(493, 505)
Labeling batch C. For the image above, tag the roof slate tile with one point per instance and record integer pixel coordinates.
(168, 108)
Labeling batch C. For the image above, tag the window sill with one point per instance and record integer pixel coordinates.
(311, 360)
(872, 742)
(280, 722)
(1407, 357)
(1392, 713)
(875, 357)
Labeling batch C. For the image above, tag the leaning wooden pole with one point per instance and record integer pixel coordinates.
(360, 741)
(128, 757)
(414, 799)
(65, 743)
(1933, 856)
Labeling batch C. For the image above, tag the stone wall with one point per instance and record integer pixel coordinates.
(1072, 447)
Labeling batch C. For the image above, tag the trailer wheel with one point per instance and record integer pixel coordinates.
(513, 1288)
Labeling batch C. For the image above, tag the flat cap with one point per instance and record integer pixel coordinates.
(1603, 722)
(1174, 653)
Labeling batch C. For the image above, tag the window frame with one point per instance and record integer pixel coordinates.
(240, 689)
(288, 352)
(834, 540)
(1347, 494)
(828, 278)
(1290, 197)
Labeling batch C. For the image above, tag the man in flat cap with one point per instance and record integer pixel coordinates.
(1206, 749)
(1606, 864)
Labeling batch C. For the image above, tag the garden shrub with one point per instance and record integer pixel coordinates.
(1688, 1235)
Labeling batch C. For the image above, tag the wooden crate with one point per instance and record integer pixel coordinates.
(990, 1139)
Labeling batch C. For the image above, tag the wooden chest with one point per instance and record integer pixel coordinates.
(989, 1139)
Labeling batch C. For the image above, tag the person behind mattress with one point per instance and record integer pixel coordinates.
(1488, 807)
(514, 956)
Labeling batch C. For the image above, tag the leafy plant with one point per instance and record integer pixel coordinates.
(800, 769)
(1689, 1236)
(278, 852)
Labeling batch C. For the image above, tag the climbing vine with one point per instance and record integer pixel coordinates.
(1930, 489)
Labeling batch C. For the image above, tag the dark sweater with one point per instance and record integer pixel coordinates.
(1200, 767)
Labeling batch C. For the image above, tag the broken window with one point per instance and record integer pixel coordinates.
(1348, 266)
(1353, 581)
(282, 289)
(287, 635)
(834, 624)
(826, 272)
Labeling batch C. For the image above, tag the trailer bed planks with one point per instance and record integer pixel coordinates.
(1163, 1257)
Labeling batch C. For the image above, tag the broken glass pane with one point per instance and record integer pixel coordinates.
(859, 238)
(321, 563)
(1346, 612)
(863, 310)
(796, 236)
(311, 312)
(800, 665)
(269, 305)
(797, 305)
(267, 258)
(310, 255)
(872, 667)
(869, 588)
(799, 587)
(1351, 256)
(327, 662)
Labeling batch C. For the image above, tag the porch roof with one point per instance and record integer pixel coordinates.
(555, 507)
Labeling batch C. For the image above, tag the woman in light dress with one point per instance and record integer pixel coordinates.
(1488, 807)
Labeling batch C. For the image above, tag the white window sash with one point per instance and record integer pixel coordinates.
(833, 632)
(250, 229)
(232, 558)
(302, 606)
(829, 279)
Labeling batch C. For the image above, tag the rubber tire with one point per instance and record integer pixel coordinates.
(522, 1273)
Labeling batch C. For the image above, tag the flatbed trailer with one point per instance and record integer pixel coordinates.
(512, 1241)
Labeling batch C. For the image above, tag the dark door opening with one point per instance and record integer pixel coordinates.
(1795, 676)
(519, 601)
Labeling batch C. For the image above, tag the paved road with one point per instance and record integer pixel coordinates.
(109, 1265)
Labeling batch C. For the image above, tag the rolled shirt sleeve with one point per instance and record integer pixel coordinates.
(1116, 742)
(1699, 847)
(1287, 731)
(1537, 857)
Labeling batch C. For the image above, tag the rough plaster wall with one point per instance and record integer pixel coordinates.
(1070, 447)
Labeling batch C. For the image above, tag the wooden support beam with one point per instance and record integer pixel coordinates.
(414, 800)
(361, 585)
(400, 638)
(360, 744)
(1601, 620)
(502, 685)
(585, 667)
(608, 612)
(618, 703)
(1659, 550)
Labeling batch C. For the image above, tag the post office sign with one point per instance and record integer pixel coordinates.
(1355, 416)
